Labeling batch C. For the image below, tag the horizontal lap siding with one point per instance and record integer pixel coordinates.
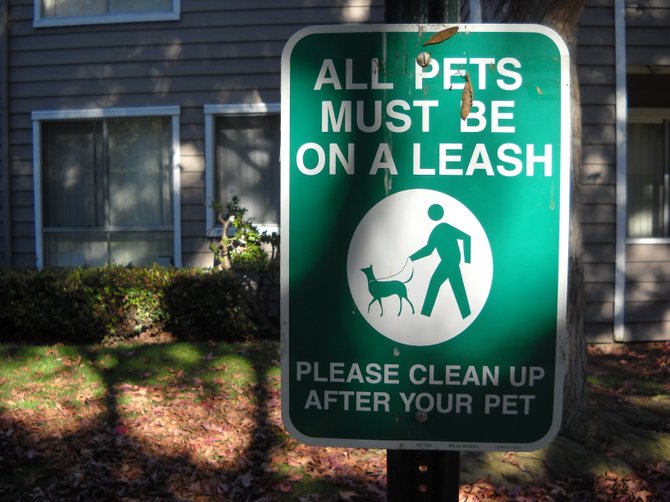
(647, 32)
(647, 291)
(647, 298)
(20, 152)
(218, 52)
(4, 157)
(3, 161)
(595, 59)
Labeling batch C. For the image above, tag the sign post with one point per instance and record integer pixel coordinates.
(425, 196)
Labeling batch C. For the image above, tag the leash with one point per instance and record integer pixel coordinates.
(396, 274)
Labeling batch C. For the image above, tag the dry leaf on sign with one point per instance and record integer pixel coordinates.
(441, 36)
(466, 98)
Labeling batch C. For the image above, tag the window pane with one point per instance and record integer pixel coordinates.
(107, 192)
(139, 171)
(72, 8)
(646, 198)
(72, 249)
(141, 249)
(82, 8)
(72, 174)
(118, 6)
(247, 164)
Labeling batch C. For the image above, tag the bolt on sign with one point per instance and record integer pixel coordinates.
(425, 193)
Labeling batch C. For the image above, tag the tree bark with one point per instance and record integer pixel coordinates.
(421, 11)
(562, 16)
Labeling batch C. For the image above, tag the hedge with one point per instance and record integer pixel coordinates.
(91, 305)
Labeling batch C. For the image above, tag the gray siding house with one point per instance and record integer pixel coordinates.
(121, 120)
(624, 68)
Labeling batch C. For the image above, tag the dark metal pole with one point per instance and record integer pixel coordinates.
(422, 475)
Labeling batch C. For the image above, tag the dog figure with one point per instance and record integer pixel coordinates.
(383, 289)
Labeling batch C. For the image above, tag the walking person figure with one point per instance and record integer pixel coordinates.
(444, 239)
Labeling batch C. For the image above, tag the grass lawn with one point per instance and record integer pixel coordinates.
(201, 421)
(169, 421)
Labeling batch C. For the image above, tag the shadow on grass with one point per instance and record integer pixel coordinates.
(624, 434)
(199, 421)
(149, 424)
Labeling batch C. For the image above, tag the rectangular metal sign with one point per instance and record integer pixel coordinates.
(425, 199)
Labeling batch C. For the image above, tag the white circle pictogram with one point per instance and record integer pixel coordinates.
(419, 267)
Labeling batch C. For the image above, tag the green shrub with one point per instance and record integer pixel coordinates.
(210, 304)
(242, 245)
(88, 305)
(254, 257)
(41, 306)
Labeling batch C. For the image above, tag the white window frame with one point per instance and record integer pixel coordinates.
(621, 111)
(647, 116)
(39, 21)
(157, 111)
(211, 112)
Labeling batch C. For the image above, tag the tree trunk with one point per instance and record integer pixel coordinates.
(421, 11)
(562, 16)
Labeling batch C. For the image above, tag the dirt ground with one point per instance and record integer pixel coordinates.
(620, 453)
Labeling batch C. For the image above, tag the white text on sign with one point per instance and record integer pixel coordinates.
(342, 122)
(424, 377)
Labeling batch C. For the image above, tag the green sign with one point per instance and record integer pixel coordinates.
(425, 193)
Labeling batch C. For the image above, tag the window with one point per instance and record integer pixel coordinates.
(107, 191)
(74, 12)
(648, 181)
(243, 161)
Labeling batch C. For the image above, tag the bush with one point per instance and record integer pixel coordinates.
(209, 304)
(41, 306)
(89, 305)
(254, 257)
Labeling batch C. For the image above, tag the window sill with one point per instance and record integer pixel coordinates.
(217, 231)
(108, 19)
(648, 240)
